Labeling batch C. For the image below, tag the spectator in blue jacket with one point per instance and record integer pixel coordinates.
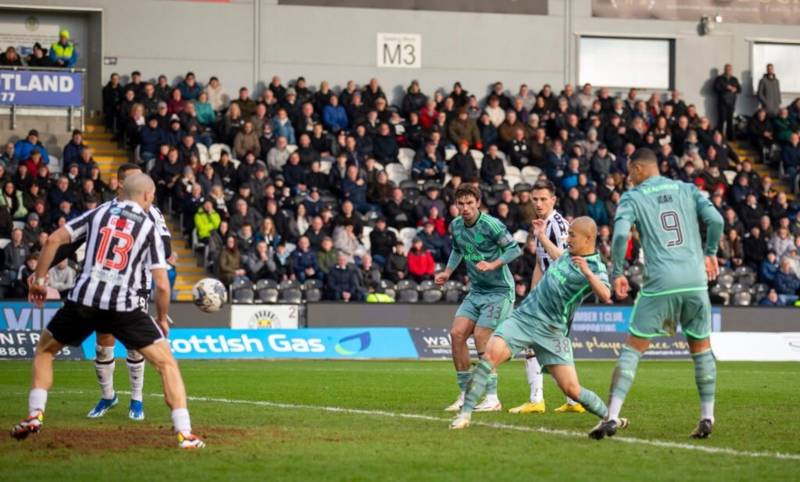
(354, 189)
(790, 154)
(772, 299)
(24, 147)
(768, 270)
(786, 283)
(596, 209)
(384, 145)
(571, 174)
(334, 116)
(190, 88)
(72, 151)
(304, 261)
(152, 137)
(282, 127)
(342, 283)
(428, 166)
(61, 193)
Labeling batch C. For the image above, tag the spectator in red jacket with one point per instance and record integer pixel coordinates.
(436, 219)
(420, 261)
(428, 115)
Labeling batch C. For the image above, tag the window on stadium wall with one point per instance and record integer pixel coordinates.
(527, 7)
(626, 62)
(739, 11)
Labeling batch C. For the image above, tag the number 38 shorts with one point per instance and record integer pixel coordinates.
(73, 323)
(486, 309)
(548, 341)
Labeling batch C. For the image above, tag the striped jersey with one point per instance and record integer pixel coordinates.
(122, 243)
(556, 230)
(486, 240)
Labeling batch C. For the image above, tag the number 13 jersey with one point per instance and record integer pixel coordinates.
(122, 245)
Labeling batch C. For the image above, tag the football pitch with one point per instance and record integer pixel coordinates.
(383, 420)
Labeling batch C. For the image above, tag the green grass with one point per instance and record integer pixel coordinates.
(757, 411)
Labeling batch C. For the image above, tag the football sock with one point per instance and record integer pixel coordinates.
(535, 379)
(37, 400)
(135, 362)
(491, 386)
(477, 385)
(705, 375)
(104, 367)
(592, 403)
(463, 380)
(180, 421)
(621, 381)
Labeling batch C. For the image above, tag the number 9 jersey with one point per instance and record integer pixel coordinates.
(666, 213)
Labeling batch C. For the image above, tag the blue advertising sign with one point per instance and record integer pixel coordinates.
(56, 88)
(23, 316)
(337, 343)
(616, 319)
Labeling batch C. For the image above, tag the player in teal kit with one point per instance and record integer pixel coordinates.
(666, 213)
(542, 322)
(487, 247)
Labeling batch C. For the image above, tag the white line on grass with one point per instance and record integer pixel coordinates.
(495, 425)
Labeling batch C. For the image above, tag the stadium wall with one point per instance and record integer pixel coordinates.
(245, 42)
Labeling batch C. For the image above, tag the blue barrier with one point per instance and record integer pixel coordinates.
(617, 319)
(331, 343)
(23, 316)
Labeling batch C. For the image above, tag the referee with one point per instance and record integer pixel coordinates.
(121, 243)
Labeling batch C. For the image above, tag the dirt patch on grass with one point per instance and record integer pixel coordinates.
(126, 437)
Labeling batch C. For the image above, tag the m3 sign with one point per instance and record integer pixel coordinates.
(400, 50)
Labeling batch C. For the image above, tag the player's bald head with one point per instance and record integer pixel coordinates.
(137, 185)
(585, 226)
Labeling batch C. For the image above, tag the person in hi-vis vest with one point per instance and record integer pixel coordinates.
(63, 53)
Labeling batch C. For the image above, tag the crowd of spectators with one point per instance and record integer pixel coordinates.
(311, 184)
(61, 54)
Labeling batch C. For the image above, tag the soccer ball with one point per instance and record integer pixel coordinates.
(209, 295)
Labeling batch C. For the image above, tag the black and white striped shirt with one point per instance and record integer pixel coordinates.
(556, 230)
(122, 244)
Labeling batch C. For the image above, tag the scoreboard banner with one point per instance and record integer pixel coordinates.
(56, 88)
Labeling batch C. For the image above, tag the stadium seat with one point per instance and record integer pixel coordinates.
(216, 150)
(521, 236)
(449, 152)
(406, 284)
(397, 173)
(530, 174)
(391, 292)
(4, 242)
(432, 295)
(522, 186)
(313, 295)
(386, 285)
(453, 285)
(289, 284)
(737, 288)
(365, 237)
(513, 171)
(426, 285)
(243, 295)
(725, 280)
(406, 157)
(311, 284)
(203, 155)
(743, 298)
(325, 166)
(407, 235)
(453, 296)
(268, 295)
(409, 184)
(55, 166)
(291, 148)
(291, 295)
(19, 224)
(408, 296)
(266, 283)
(477, 156)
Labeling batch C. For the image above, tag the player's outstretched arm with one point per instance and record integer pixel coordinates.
(599, 285)
(38, 289)
(540, 232)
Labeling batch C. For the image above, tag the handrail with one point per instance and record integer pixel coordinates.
(71, 70)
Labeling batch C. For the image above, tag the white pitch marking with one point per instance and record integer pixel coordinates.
(495, 425)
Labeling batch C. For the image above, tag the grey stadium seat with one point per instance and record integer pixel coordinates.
(408, 296)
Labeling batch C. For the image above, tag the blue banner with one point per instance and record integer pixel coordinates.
(23, 316)
(617, 319)
(336, 343)
(56, 88)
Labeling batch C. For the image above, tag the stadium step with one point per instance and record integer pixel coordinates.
(747, 153)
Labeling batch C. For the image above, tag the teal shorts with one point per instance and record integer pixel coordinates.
(660, 314)
(547, 341)
(486, 309)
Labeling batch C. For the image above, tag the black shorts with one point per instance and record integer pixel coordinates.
(73, 323)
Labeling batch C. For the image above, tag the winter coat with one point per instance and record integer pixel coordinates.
(769, 94)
